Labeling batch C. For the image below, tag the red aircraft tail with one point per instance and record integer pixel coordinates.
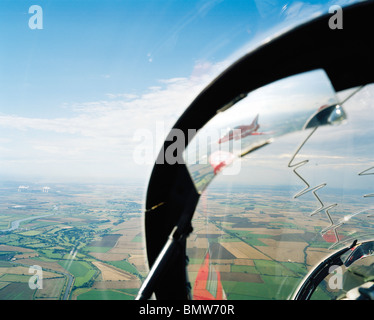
(255, 122)
(208, 284)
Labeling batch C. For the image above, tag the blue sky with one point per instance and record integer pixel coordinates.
(73, 94)
(89, 48)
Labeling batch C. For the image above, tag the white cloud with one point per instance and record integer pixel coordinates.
(100, 133)
(125, 96)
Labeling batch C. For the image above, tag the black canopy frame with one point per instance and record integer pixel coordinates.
(345, 54)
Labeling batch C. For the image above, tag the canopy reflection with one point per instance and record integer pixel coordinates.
(296, 103)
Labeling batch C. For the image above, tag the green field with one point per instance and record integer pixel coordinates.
(273, 287)
(273, 268)
(72, 226)
(245, 269)
(124, 265)
(82, 271)
(8, 277)
(95, 294)
(17, 291)
(97, 249)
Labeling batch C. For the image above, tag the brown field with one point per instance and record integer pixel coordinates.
(129, 284)
(60, 220)
(15, 270)
(241, 250)
(197, 242)
(51, 289)
(222, 261)
(43, 264)
(140, 262)
(201, 243)
(217, 251)
(13, 248)
(25, 271)
(124, 246)
(194, 267)
(241, 277)
(315, 255)
(209, 229)
(196, 253)
(110, 273)
(270, 232)
(244, 262)
(290, 244)
(26, 255)
(129, 228)
(311, 222)
(222, 267)
(284, 250)
(109, 256)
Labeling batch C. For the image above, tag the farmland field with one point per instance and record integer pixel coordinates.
(260, 242)
(82, 237)
(106, 295)
(89, 243)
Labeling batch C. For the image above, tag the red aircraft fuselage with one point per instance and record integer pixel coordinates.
(243, 131)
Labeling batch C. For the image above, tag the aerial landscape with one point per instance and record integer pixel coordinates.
(87, 240)
(261, 242)
(89, 92)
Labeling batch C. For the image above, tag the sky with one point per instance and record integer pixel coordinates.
(79, 95)
(334, 154)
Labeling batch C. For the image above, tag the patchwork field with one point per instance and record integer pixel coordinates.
(110, 273)
(261, 244)
(86, 239)
(242, 250)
